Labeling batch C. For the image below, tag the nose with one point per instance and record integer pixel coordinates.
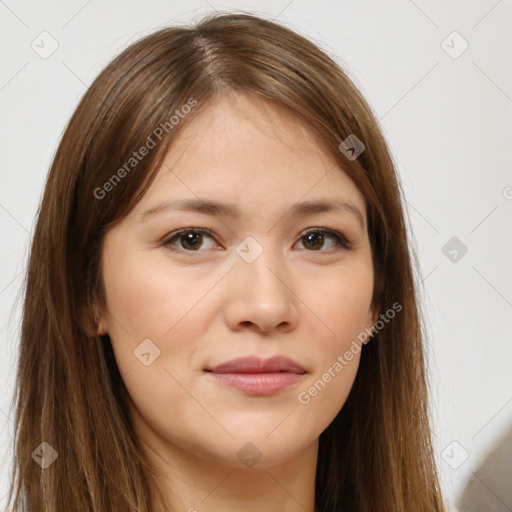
(260, 296)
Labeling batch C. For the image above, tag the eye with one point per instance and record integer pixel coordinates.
(316, 237)
(192, 239)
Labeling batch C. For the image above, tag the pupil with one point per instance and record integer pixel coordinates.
(191, 238)
(314, 237)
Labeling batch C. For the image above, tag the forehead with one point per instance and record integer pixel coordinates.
(247, 150)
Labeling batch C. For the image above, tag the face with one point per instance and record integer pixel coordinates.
(253, 272)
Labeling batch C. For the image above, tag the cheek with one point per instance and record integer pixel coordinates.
(145, 297)
(158, 304)
(136, 294)
(343, 304)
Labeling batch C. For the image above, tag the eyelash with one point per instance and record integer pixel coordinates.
(341, 241)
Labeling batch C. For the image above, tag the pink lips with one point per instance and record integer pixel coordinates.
(255, 376)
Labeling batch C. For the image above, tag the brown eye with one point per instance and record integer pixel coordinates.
(194, 239)
(315, 239)
(190, 239)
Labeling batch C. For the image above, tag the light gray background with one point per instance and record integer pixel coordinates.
(448, 121)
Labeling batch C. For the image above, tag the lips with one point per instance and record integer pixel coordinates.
(256, 365)
(257, 377)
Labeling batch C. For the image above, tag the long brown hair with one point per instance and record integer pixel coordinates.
(376, 455)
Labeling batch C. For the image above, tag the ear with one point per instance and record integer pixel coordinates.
(92, 322)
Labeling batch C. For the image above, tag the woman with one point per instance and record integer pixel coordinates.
(220, 307)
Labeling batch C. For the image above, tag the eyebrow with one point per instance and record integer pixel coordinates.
(211, 207)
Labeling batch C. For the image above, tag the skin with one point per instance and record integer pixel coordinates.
(202, 304)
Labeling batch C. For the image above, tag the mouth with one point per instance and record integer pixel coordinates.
(257, 377)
